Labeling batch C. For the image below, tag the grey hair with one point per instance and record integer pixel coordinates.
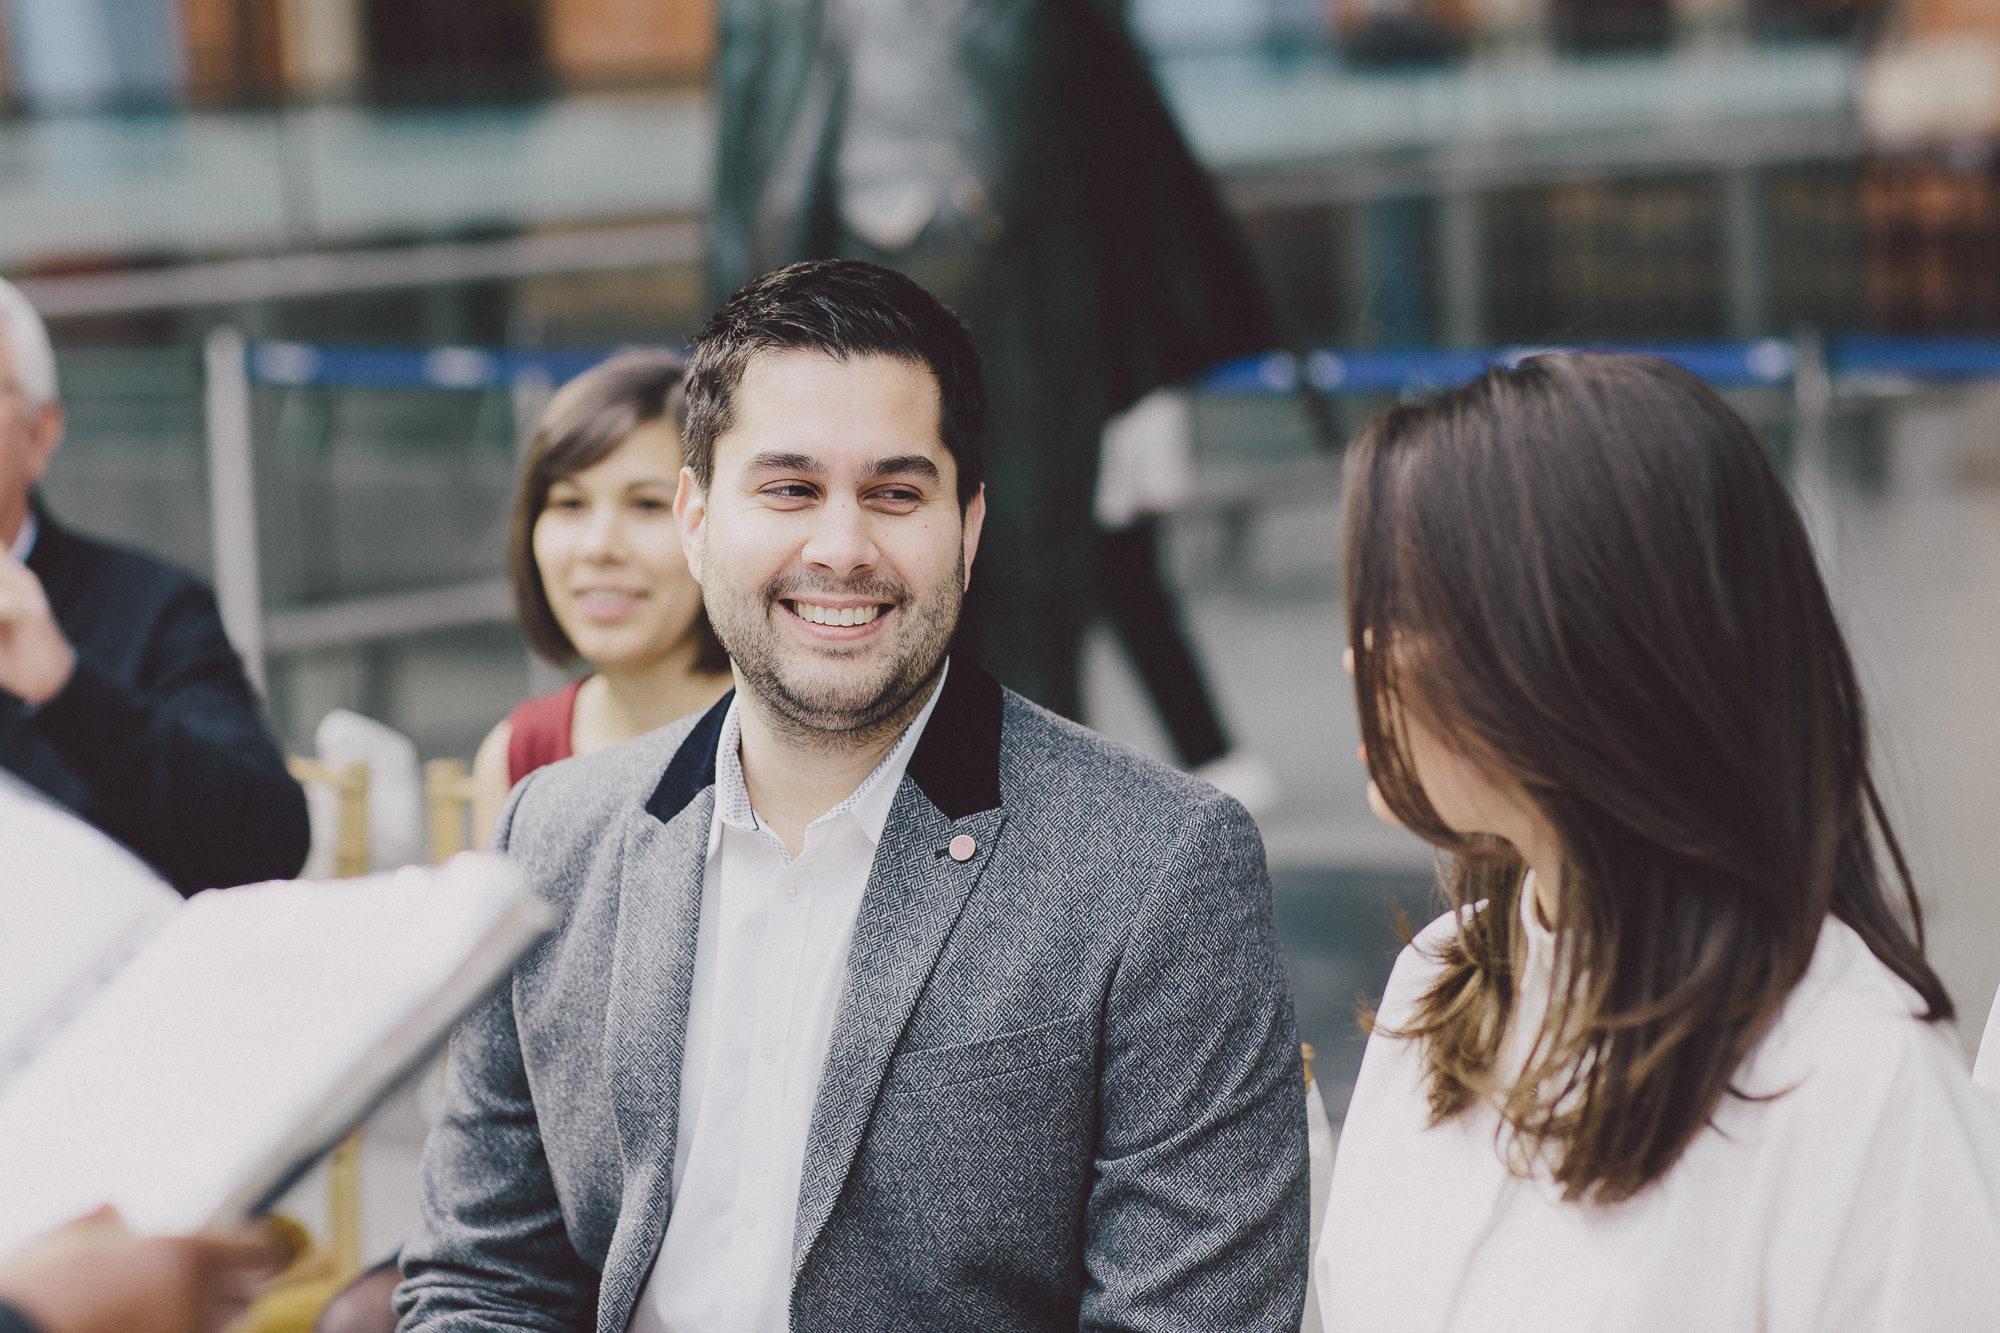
(33, 361)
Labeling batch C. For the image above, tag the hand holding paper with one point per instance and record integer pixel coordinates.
(95, 1276)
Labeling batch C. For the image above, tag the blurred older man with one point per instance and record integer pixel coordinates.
(119, 695)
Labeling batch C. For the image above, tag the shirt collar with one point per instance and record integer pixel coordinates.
(869, 803)
(24, 541)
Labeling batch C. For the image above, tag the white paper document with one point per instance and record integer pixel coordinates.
(237, 1039)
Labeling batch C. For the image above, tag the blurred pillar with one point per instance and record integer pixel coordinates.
(600, 42)
(1385, 273)
(1510, 27)
(234, 51)
(320, 42)
(1711, 23)
(60, 52)
(431, 52)
(232, 500)
(1460, 224)
(1812, 462)
(1603, 27)
(1746, 256)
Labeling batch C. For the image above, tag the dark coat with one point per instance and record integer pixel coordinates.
(1093, 262)
(156, 738)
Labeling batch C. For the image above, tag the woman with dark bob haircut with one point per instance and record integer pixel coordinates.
(600, 577)
(1674, 1060)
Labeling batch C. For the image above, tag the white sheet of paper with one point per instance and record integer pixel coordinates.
(73, 904)
(180, 1085)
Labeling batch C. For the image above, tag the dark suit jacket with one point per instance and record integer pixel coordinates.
(156, 739)
(1063, 1089)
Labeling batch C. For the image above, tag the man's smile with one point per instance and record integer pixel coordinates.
(829, 616)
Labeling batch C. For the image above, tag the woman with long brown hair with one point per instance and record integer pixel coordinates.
(1674, 1059)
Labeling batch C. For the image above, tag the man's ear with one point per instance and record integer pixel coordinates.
(45, 432)
(691, 517)
(975, 519)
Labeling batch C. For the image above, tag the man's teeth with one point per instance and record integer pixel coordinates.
(837, 615)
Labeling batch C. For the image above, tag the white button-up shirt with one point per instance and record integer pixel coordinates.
(770, 964)
(1854, 1184)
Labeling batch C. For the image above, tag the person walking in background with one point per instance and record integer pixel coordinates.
(120, 696)
(1673, 1060)
(1147, 470)
(1019, 162)
(599, 575)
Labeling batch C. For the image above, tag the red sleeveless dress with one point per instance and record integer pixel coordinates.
(541, 731)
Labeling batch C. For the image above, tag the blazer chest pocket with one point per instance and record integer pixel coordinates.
(1064, 1041)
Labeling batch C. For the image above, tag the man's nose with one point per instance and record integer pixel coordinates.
(841, 542)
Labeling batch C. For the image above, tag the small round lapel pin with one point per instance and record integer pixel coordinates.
(962, 847)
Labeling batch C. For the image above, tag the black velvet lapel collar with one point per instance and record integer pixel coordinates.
(692, 767)
(956, 764)
(957, 761)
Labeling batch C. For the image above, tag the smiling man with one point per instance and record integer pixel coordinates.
(884, 999)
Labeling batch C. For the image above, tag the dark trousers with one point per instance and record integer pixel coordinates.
(1149, 622)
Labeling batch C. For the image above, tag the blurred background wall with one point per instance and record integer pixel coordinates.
(492, 174)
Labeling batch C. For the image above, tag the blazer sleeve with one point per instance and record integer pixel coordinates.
(180, 768)
(1200, 1216)
(492, 1250)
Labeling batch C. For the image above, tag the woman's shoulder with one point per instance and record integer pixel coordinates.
(1419, 964)
(1854, 1033)
(539, 730)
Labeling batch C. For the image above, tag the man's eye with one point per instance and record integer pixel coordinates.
(567, 503)
(790, 490)
(899, 495)
(651, 504)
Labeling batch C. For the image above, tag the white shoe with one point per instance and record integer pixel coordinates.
(1245, 775)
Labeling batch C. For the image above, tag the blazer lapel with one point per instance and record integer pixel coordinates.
(913, 900)
(664, 856)
(916, 891)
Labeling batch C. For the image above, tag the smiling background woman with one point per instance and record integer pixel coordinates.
(599, 576)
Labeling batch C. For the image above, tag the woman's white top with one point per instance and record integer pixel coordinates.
(1865, 1197)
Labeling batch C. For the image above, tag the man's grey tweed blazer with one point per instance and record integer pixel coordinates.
(1063, 1092)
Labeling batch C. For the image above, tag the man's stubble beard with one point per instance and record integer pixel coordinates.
(830, 716)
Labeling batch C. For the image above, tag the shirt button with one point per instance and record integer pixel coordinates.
(749, 1217)
(770, 1054)
(791, 893)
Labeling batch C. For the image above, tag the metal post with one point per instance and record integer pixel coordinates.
(232, 500)
(1812, 468)
(1461, 248)
(531, 395)
(1357, 270)
(1746, 255)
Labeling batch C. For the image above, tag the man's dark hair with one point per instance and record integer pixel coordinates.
(844, 308)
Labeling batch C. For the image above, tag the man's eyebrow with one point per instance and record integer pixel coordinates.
(772, 461)
(904, 463)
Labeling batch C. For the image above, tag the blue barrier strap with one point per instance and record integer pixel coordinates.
(1916, 358)
(302, 365)
(1732, 364)
(1735, 364)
